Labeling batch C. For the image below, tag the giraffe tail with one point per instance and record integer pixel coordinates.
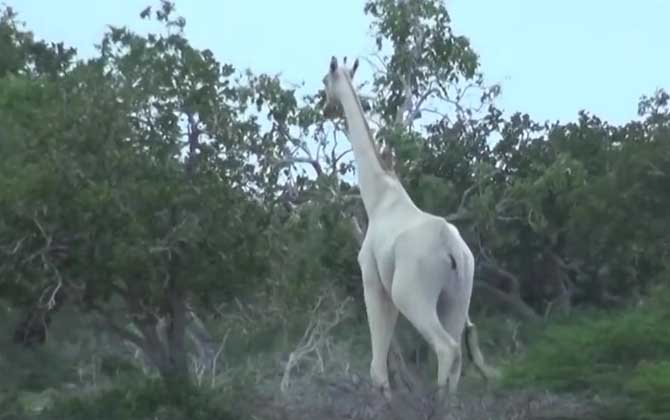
(475, 354)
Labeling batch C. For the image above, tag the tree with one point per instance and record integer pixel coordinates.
(129, 189)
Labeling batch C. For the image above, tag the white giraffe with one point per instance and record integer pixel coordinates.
(411, 261)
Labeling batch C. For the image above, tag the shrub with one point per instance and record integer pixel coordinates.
(649, 388)
(151, 399)
(623, 354)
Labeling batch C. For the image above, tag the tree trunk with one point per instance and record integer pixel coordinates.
(164, 345)
(513, 302)
(164, 339)
(176, 368)
(32, 328)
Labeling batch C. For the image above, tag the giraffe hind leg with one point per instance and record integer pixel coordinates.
(416, 298)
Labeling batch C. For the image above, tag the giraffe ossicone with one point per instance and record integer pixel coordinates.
(412, 262)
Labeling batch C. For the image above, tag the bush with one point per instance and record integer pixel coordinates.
(649, 388)
(151, 399)
(623, 354)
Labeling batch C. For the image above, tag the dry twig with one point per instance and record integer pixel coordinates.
(315, 338)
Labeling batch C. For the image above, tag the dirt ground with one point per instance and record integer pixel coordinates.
(352, 398)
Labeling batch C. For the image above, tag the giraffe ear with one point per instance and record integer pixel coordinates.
(333, 64)
(354, 68)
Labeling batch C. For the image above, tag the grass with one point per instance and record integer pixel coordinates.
(137, 400)
(624, 354)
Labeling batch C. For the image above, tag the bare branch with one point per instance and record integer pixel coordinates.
(655, 170)
(290, 161)
(47, 238)
(461, 212)
(466, 195)
(122, 332)
(407, 102)
(18, 246)
(409, 377)
(216, 356)
(380, 66)
(496, 268)
(512, 301)
(414, 113)
(341, 155)
(358, 231)
(315, 338)
(51, 301)
(408, 105)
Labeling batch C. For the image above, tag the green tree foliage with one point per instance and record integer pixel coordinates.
(128, 176)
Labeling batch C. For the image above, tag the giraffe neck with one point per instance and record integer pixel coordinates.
(373, 179)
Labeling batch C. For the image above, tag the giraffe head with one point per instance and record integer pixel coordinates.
(336, 80)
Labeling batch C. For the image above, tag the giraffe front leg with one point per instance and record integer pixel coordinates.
(382, 317)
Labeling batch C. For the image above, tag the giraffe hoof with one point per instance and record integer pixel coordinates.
(385, 391)
(443, 398)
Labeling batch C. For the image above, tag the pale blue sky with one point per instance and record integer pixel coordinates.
(553, 58)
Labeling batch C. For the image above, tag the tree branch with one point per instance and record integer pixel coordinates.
(290, 161)
(513, 302)
(122, 332)
(315, 337)
(414, 52)
(358, 231)
(461, 212)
